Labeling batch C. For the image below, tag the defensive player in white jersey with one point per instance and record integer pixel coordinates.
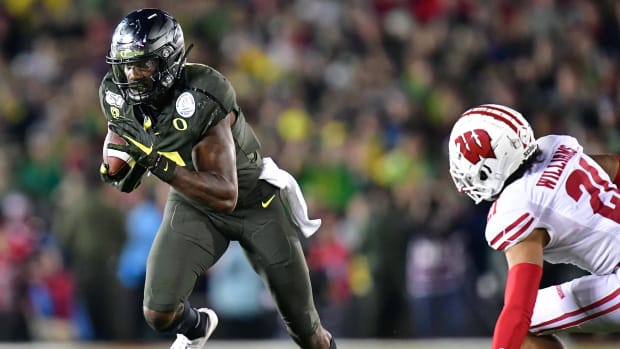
(551, 202)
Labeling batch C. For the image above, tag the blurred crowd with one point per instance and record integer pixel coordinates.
(355, 98)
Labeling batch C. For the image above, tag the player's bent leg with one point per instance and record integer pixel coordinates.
(581, 305)
(185, 246)
(290, 287)
(271, 243)
(287, 279)
(542, 342)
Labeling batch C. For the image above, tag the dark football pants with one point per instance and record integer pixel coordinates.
(191, 240)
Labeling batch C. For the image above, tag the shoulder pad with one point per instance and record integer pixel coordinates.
(204, 79)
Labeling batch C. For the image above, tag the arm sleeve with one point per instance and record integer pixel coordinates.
(519, 299)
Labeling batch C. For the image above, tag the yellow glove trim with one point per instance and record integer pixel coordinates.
(146, 150)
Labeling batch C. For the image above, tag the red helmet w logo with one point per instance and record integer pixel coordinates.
(475, 145)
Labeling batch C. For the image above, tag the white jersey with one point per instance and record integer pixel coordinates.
(570, 196)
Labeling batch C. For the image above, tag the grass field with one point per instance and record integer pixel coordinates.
(283, 344)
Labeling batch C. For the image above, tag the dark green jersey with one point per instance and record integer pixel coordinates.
(200, 99)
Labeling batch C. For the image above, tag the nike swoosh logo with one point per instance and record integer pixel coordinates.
(265, 204)
(166, 168)
(146, 150)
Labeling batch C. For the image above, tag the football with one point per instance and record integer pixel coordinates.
(117, 161)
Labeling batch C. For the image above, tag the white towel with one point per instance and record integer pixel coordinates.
(289, 186)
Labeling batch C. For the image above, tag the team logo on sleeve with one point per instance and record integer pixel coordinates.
(115, 112)
(114, 99)
(186, 106)
(475, 145)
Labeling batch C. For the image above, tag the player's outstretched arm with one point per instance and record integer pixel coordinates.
(525, 261)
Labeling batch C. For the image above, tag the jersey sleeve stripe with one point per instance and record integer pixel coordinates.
(510, 227)
(516, 235)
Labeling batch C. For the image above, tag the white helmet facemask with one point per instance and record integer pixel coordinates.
(488, 143)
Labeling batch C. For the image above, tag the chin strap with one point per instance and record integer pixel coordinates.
(183, 60)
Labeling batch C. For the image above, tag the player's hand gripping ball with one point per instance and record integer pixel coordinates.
(140, 144)
(116, 161)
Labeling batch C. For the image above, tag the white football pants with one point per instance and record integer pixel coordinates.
(587, 304)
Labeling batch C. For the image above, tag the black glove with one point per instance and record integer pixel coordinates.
(141, 146)
(104, 174)
(127, 182)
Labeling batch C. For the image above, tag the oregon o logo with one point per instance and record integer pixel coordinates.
(115, 112)
(179, 124)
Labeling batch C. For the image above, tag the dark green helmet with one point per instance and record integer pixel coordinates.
(147, 38)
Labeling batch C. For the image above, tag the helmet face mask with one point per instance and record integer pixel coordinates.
(151, 42)
(141, 88)
(487, 145)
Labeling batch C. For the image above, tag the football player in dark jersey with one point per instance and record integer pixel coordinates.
(182, 124)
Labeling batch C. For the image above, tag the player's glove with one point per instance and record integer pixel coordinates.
(125, 183)
(104, 174)
(141, 146)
